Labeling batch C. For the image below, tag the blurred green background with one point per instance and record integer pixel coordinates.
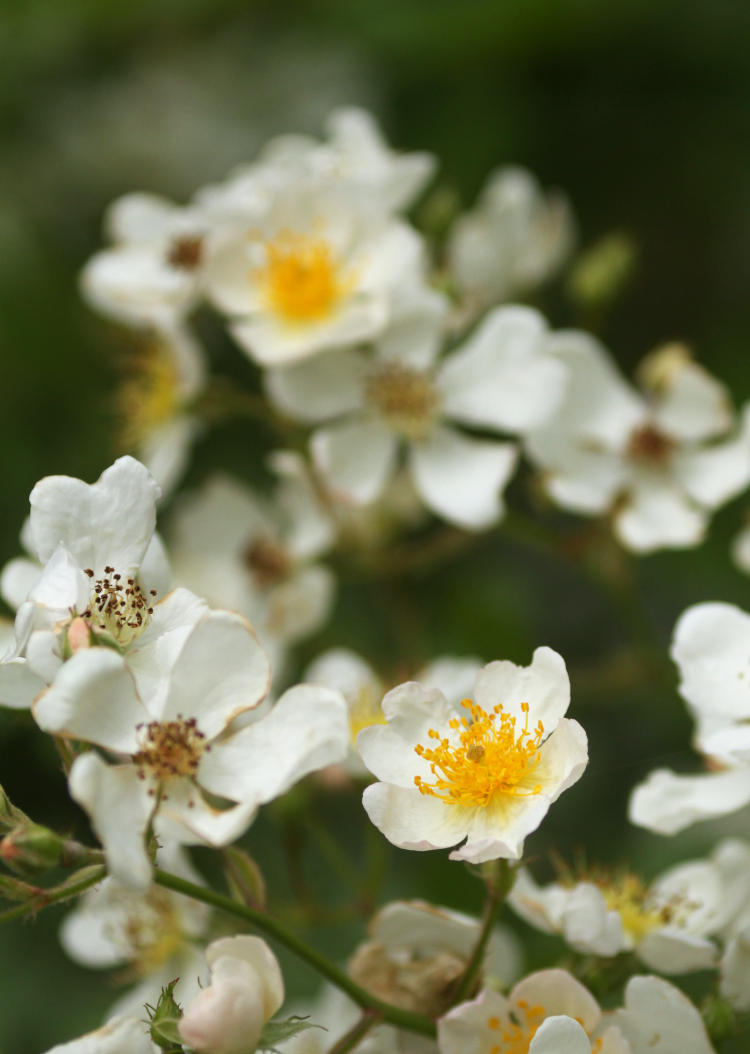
(639, 111)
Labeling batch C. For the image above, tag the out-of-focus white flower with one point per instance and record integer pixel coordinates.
(546, 1013)
(417, 952)
(513, 240)
(151, 937)
(175, 744)
(152, 274)
(659, 464)
(363, 690)
(162, 378)
(740, 549)
(486, 771)
(666, 923)
(500, 379)
(257, 555)
(711, 647)
(121, 1035)
(659, 1019)
(246, 989)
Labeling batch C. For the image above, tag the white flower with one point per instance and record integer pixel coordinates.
(162, 378)
(257, 555)
(654, 462)
(152, 273)
(513, 240)
(121, 1035)
(548, 1012)
(658, 1019)
(711, 647)
(152, 934)
(174, 743)
(740, 549)
(486, 772)
(500, 379)
(363, 690)
(666, 923)
(246, 989)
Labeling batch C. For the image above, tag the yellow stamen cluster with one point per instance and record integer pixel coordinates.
(170, 748)
(629, 896)
(149, 396)
(118, 607)
(405, 398)
(302, 279)
(151, 935)
(516, 1035)
(487, 757)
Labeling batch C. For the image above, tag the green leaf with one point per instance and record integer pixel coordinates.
(280, 1029)
(164, 1019)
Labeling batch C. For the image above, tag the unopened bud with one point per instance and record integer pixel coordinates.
(10, 816)
(79, 635)
(658, 370)
(31, 849)
(603, 271)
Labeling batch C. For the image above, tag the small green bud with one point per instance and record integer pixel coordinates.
(10, 816)
(30, 849)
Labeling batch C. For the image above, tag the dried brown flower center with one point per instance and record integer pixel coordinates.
(648, 446)
(405, 398)
(268, 561)
(186, 253)
(170, 748)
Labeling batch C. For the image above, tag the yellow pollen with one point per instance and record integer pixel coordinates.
(302, 279)
(118, 607)
(149, 396)
(484, 756)
(406, 399)
(170, 748)
(515, 1034)
(628, 895)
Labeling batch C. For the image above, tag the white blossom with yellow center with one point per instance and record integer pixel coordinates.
(174, 744)
(546, 1013)
(499, 380)
(483, 774)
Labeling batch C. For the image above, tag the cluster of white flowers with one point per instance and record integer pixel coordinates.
(409, 387)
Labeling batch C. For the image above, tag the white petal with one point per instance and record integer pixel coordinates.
(299, 606)
(62, 586)
(668, 803)
(135, 284)
(125, 1035)
(345, 671)
(657, 516)
(560, 1035)
(255, 952)
(119, 806)
(559, 993)
(544, 685)
(327, 386)
(673, 951)
(694, 405)
(411, 820)
(460, 479)
(659, 1019)
(713, 475)
(740, 550)
(415, 330)
(710, 647)
(577, 477)
(166, 451)
(497, 831)
(455, 678)
(355, 459)
(589, 925)
(19, 684)
(220, 672)
(152, 655)
(307, 729)
(184, 816)
(140, 217)
(465, 1030)
(18, 578)
(108, 522)
(93, 698)
(502, 378)
(735, 971)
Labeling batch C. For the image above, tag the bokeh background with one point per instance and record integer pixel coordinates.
(638, 110)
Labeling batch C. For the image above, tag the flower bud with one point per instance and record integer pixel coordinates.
(30, 849)
(246, 989)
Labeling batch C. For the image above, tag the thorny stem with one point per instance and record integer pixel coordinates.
(392, 1014)
(357, 1032)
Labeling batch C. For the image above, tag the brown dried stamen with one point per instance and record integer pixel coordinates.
(649, 446)
(268, 561)
(185, 253)
(170, 748)
(406, 398)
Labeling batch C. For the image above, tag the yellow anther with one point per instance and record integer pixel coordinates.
(303, 281)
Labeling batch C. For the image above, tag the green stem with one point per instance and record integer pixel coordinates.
(65, 891)
(392, 1014)
(357, 1032)
(498, 888)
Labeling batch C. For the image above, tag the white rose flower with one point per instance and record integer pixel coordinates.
(710, 648)
(513, 240)
(485, 772)
(246, 989)
(548, 1012)
(174, 743)
(500, 379)
(121, 1035)
(152, 274)
(659, 464)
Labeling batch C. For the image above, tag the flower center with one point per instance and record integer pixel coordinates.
(405, 398)
(303, 281)
(151, 934)
(487, 757)
(628, 895)
(185, 253)
(515, 1035)
(268, 561)
(149, 396)
(118, 607)
(169, 748)
(648, 446)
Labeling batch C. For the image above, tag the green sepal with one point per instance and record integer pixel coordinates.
(280, 1029)
(164, 1019)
